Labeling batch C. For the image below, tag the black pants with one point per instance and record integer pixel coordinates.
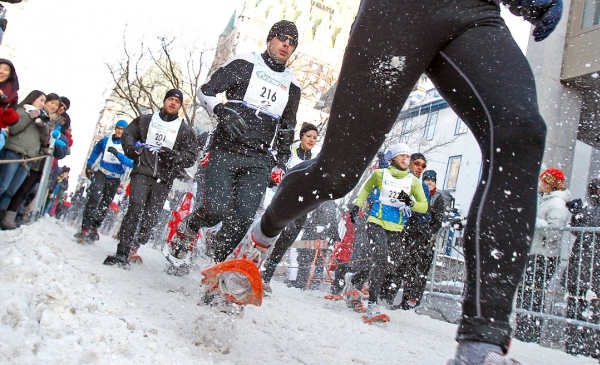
(100, 194)
(531, 296)
(338, 279)
(415, 265)
(234, 186)
(284, 242)
(468, 52)
(146, 200)
(382, 244)
(583, 340)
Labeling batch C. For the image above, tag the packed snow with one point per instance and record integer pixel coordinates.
(60, 305)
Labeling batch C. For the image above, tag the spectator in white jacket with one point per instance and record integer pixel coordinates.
(545, 252)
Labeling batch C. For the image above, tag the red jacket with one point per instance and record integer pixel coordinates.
(342, 250)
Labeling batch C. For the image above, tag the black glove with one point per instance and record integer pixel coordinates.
(113, 150)
(354, 209)
(544, 15)
(405, 198)
(285, 137)
(456, 223)
(231, 122)
(168, 154)
(89, 172)
(574, 206)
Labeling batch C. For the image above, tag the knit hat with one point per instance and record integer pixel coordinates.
(307, 127)
(417, 156)
(176, 93)
(555, 177)
(430, 175)
(283, 27)
(400, 149)
(66, 101)
(121, 124)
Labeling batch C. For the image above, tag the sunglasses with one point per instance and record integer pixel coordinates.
(419, 164)
(283, 38)
(552, 181)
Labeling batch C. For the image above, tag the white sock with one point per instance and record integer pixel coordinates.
(473, 352)
(260, 236)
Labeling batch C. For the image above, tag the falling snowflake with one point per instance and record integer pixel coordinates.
(300, 199)
(507, 192)
(496, 254)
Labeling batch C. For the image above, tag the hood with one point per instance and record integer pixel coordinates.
(562, 194)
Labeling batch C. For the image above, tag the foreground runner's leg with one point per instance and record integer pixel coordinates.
(381, 65)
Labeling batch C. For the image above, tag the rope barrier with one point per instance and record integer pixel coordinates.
(22, 160)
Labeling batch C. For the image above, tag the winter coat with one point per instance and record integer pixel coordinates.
(149, 163)
(586, 246)
(24, 137)
(59, 151)
(379, 211)
(10, 87)
(233, 78)
(342, 250)
(2, 138)
(111, 170)
(553, 212)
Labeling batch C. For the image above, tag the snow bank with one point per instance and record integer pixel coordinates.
(59, 304)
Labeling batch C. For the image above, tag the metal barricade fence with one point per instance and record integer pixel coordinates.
(447, 276)
(557, 295)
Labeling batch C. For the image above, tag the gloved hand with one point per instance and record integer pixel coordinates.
(60, 143)
(55, 134)
(168, 154)
(89, 172)
(8, 117)
(574, 206)
(354, 209)
(34, 113)
(456, 223)
(544, 15)
(113, 150)
(276, 175)
(205, 158)
(231, 122)
(405, 198)
(285, 137)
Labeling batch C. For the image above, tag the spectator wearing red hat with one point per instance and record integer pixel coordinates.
(545, 252)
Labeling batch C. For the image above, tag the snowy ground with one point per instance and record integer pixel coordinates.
(60, 305)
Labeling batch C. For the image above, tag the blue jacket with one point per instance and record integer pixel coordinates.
(424, 217)
(99, 151)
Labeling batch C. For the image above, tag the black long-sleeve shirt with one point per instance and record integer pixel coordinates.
(151, 164)
(233, 78)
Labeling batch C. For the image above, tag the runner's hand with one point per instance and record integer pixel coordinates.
(544, 15)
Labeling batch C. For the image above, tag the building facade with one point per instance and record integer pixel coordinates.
(323, 27)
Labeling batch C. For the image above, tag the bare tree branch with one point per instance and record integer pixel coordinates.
(142, 77)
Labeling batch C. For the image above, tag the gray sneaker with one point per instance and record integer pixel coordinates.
(348, 282)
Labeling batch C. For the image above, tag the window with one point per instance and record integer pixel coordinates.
(430, 125)
(461, 127)
(452, 173)
(406, 127)
(591, 13)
